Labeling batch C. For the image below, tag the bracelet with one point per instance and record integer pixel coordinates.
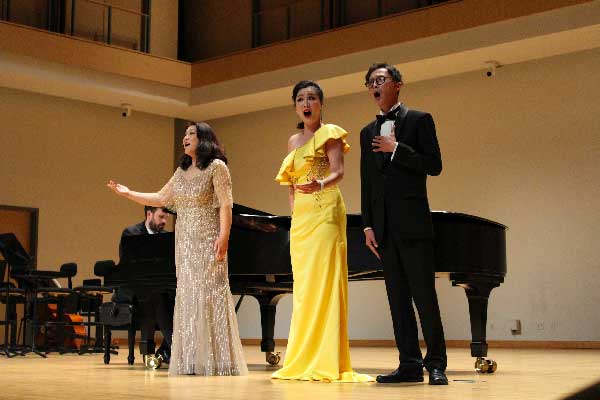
(322, 183)
(368, 228)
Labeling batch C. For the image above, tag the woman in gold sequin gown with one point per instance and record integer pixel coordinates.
(318, 347)
(205, 333)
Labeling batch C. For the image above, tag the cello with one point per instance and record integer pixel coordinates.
(74, 332)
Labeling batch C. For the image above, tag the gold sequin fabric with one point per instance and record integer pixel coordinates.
(206, 339)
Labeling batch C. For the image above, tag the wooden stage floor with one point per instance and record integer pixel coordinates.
(522, 374)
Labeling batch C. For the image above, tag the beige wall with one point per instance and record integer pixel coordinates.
(57, 155)
(521, 149)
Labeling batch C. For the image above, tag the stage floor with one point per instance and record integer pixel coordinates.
(522, 374)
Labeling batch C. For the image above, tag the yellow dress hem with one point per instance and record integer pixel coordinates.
(344, 377)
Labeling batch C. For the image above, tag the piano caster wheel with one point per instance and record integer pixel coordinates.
(481, 365)
(152, 362)
(106, 359)
(485, 366)
(273, 358)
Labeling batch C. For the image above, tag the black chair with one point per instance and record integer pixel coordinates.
(91, 297)
(116, 316)
(35, 282)
(66, 323)
(17, 261)
(42, 289)
(11, 296)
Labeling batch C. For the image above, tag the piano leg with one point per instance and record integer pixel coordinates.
(107, 341)
(147, 345)
(131, 343)
(268, 308)
(99, 331)
(478, 293)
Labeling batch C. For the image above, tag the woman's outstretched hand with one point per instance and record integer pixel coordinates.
(119, 189)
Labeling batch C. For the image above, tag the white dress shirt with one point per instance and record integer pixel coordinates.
(150, 231)
(387, 128)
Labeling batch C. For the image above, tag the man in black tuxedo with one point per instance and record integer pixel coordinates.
(398, 150)
(156, 219)
(158, 306)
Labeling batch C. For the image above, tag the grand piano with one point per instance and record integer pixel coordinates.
(470, 251)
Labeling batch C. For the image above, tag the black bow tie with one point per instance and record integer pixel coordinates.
(389, 116)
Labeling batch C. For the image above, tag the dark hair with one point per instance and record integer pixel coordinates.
(303, 85)
(396, 75)
(153, 209)
(208, 148)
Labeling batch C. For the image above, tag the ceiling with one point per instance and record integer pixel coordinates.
(537, 36)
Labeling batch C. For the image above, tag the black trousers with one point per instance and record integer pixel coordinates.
(409, 266)
(155, 309)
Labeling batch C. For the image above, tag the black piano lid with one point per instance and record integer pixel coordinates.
(463, 243)
(240, 209)
(261, 217)
(247, 218)
(271, 223)
(442, 216)
(462, 216)
(261, 223)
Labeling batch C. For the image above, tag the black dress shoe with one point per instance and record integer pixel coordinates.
(402, 375)
(437, 377)
(164, 353)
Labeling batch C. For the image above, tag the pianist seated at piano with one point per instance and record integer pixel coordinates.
(318, 348)
(155, 222)
(206, 339)
(157, 306)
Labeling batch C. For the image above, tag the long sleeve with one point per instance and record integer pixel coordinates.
(222, 184)
(428, 158)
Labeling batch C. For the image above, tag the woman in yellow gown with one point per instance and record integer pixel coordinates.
(318, 347)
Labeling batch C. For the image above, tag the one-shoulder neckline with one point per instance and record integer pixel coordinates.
(309, 140)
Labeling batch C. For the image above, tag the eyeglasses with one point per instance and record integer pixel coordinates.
(380, 80)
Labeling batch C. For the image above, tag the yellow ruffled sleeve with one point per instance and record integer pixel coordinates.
(284, 176)
(315, 148)
(325, 133)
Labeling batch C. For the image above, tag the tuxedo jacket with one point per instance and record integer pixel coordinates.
(137, 229)
(133, 230)
(394, 190)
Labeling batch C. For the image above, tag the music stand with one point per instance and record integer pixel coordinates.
(14, 255)
(12, 251)
(18, 260)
